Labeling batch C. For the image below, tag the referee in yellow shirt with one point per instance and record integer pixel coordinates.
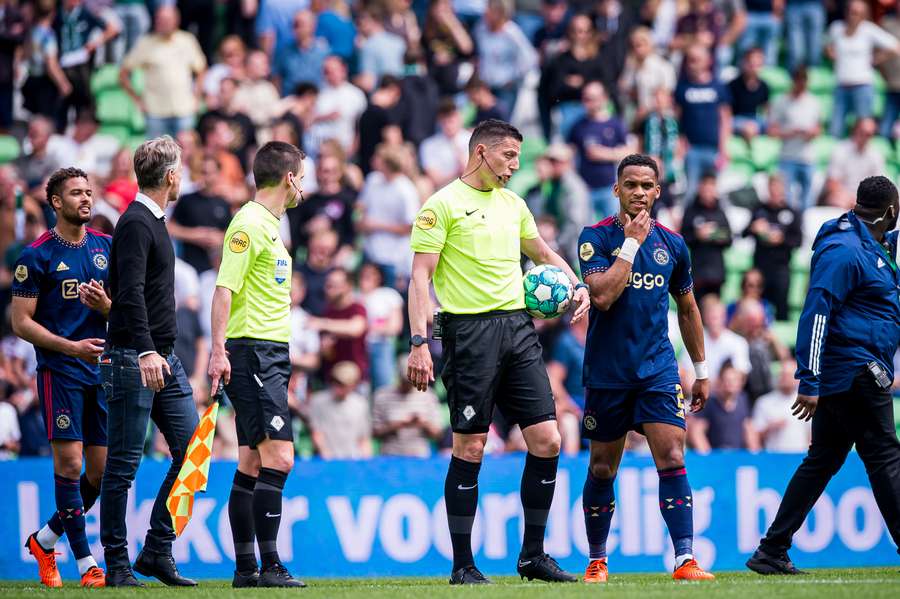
(251, 313)
(468, 238)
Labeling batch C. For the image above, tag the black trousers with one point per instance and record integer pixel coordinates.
(863, 415)
(778, 283)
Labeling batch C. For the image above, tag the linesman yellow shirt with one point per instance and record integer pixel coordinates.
(256, 267)
(478, 235)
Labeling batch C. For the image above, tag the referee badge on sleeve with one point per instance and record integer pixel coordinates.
(239, 242)
(426, 219)
(586, 251)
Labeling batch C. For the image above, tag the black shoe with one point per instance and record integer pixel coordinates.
(543, 567)
(278, 576)
(122, 577)
(243, 580)
(763, 562)
(469, 575)
(162, 567)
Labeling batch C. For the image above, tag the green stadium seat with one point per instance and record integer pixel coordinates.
(9, 148)
(120, 132)
(777, 78)
(114, 107)
(883, 147)
(524, 179)
(820, 80)
(105, 78)
(878, 84)
(533, 146)
(764, 152)
(797, 290)
(731, 289)
(823, 146)
(800, 260)
(897, 415)
(826, 104)
(738, 149)
(785, 332)
(737, 260)
(739, 171)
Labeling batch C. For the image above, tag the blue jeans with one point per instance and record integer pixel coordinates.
(167, 125)
(603, 202)
(506, 99)
(891, 112)
(805, 25)
(801, 174)
(857, 99)
(131, 407)
(135, 23)
(382, 363)
(697, 161)
(763, 31)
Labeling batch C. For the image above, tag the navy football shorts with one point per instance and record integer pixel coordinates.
(610, 413)
(72, 410)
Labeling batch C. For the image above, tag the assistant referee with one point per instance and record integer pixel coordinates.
(468, 238)
(846, 339)
(251, 308)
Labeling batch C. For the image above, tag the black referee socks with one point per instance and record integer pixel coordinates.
(267, 513)
(240, 503)
(461, 497)
(538, 483)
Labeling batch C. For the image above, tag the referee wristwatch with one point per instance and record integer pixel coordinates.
(417, 340)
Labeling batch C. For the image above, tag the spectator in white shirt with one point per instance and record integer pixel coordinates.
(384, 312)
(852, 161)
(444, 154)
(505, 55)
(772, 418)
(338, 106)
(721, 343)
(852, 44)
(389, 201)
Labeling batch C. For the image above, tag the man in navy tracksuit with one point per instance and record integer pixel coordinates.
(846, 339)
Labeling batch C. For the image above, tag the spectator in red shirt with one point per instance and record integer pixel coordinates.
(343, 325)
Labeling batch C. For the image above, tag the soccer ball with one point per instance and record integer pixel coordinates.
(548, 291)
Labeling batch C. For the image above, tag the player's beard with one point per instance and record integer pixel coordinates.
(74, 217)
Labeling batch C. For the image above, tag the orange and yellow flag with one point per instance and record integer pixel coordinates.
(194, 471)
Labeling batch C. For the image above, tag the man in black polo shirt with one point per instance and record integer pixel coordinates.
(142, 376)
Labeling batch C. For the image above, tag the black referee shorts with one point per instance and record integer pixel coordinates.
(260, 371)
(494, 359)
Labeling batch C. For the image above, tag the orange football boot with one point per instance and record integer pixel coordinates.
(691, 570)
(94, 577)
(596, 571)
(46, 562)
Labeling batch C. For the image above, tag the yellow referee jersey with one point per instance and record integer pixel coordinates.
(478, 235)
(256, 267)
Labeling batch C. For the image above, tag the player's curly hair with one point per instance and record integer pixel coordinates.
(58, 179)
(875, 193)
(637, 160)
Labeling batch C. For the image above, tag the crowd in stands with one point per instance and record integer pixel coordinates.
(763, 116)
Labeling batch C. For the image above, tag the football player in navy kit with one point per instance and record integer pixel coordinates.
(60, 305)
(632, 264)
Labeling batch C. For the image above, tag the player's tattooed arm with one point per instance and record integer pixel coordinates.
(25, 326)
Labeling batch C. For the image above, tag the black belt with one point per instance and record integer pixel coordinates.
(482, 315)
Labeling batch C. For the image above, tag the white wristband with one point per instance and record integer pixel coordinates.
(701, 370)
(629, 249)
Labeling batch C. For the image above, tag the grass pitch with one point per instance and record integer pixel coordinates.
(857, 583)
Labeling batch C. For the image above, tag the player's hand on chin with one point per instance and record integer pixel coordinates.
(637, 227)
(582, 303)
(699, 394)
(420, 370)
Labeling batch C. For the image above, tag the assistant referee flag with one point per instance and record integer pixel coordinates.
(194, 472)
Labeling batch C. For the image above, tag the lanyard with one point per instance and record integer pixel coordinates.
(887, 257)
